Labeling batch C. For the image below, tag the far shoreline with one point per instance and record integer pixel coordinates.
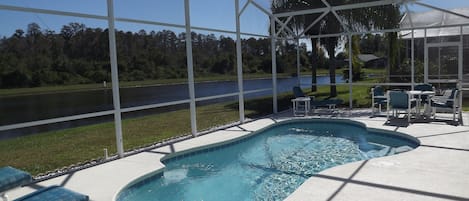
(17, 92)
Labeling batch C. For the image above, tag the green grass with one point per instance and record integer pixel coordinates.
(360, 98)
(465, 104)
(379, 71)
(48, 151)
(339, 71)
(323, 72)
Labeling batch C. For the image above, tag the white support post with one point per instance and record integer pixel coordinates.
(439, 61)
(412, 73)
(115, 79)
(350, 71)
(460, 55)
(190, 68)
(239, 63)
(298, 76)
(425, 52)
(460, 71)
(274, 64)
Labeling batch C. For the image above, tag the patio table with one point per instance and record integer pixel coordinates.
(301, 105)
(419, 99)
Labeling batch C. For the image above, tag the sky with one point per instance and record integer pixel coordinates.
(218, 14)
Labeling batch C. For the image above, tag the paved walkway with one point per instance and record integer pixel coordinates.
(437, 170)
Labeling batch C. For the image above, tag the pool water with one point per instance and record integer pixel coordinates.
(267, 166)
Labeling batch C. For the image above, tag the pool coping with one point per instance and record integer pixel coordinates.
(105, 181)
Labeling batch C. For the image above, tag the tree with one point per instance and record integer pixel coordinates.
(79, 55)
(356, 63)
(18, 33)
(386, 16)
(299, 23)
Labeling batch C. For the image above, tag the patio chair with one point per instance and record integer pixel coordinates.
(11, 178)
(449, 101)
(297, 92)
(400, 100)
(54, 193)
(329, 103)
(378, 98)
(424, 87)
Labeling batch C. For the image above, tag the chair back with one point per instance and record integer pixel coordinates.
(398, 99)
(453, 98)
(453, 94)
(447, 93)
(423, 87)
(378, 91)
(449, 99)
(297, 92)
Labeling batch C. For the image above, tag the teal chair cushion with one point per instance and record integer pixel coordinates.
(378, 91)
(447, 104)
(12, 178)
(297, 92)
(453, 93)
(54, 193)
(380, 101)
(400, 100)
(424, 87)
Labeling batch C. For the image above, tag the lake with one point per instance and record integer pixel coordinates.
(45, 106)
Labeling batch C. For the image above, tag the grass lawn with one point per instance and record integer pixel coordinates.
(48, 151)
(339, 71)
(360, 98)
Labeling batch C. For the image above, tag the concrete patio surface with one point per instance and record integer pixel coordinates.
(437, 170)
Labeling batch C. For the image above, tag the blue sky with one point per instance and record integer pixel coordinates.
(217, 14)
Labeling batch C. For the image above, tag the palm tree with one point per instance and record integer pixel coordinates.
(378, 17)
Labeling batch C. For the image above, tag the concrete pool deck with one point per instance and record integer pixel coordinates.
(436, 170)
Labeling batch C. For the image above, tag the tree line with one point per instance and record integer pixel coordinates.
(79, 55)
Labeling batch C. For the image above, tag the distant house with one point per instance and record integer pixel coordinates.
(372, 61)
(437, 35)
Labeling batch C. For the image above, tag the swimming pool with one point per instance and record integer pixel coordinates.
(268, 165)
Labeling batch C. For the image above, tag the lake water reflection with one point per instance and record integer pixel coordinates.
(45, 106)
